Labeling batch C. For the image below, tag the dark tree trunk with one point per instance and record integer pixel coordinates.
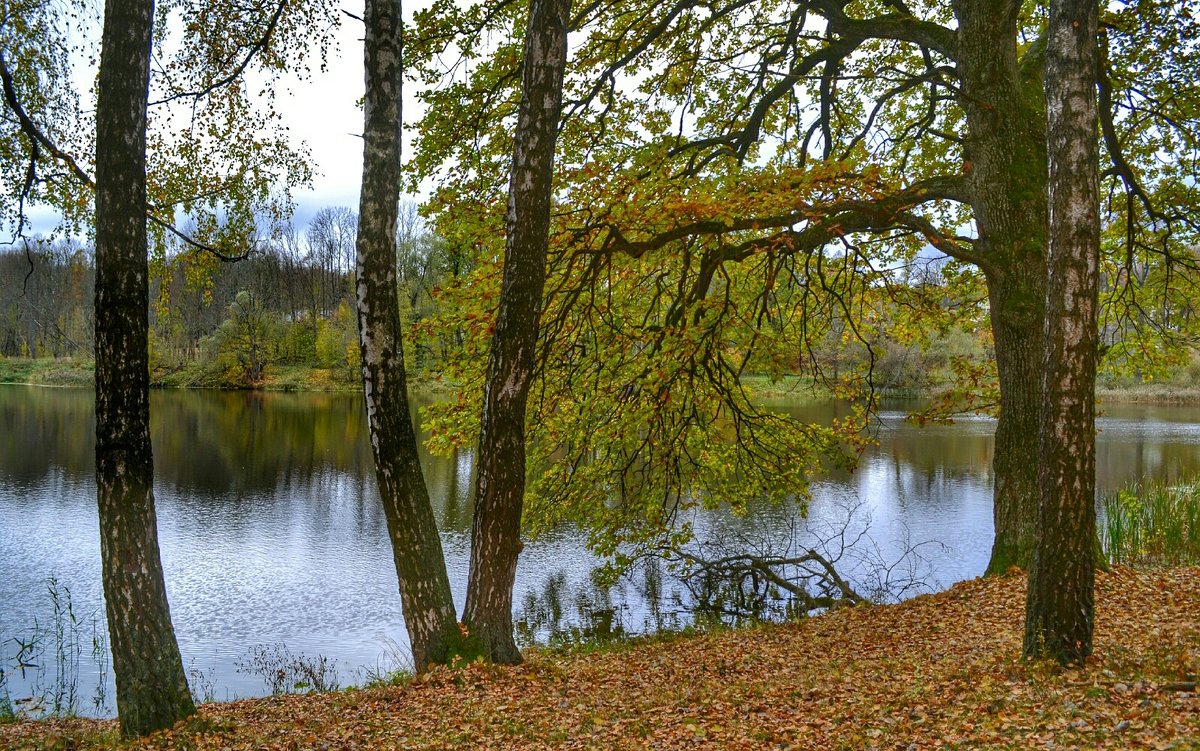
(1059, 610)
(1017, 332)
(1006, 171)
(500, 483)
(152, 690)
(416, 547)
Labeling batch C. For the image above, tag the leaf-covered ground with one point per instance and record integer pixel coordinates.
(939, 671)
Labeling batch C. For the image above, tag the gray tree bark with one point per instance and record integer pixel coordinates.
(1006, 177)
(500, 483)
(152, 690)
(1059, 612)
(416, 547)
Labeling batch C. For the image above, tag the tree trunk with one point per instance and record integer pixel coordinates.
(1017, 333)
(1059, 611)
(1006, 173)
(500, 483)
(152, 690)
(416, 547)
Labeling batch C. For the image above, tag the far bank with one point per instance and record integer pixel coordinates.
(79, 372)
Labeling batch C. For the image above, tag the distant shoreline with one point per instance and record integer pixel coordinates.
(1149, 394)
(78, 372)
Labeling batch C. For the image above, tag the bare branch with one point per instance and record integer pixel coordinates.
(1112, 143)
(31, 129)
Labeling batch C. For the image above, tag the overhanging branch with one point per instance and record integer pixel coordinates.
(824, 223)
(1112, 143)
(35, 134)
(39, 140)
(900, 27)
(258, 46)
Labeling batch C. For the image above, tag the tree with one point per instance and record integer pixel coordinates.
(1060, 607)
(330, 237)
(49, 310)
(217, 158)
(246, 336)
(218, 150)
(500, 483)
(730, 155)
(1004, 162)
(152, 690)
(416, 547)
(43, 125)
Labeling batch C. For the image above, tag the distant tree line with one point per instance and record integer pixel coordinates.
(290, 301)
(46, 309)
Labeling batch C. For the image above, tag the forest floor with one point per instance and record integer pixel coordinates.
(937, 671)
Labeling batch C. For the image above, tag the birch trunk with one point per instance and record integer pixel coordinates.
(500, 483)
(1059, 612)
(152, 690)
(416, 547)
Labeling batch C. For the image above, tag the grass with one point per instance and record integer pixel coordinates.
(81, 372)
(275, 378)
(1152, 393)
(47, 655)
(1153, 523)
(47, 371)
(783, 387)
(937, 671)
(8, 714)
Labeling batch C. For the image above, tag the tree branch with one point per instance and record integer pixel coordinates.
(38, 138)
(259, 45)
(1112, 143)
(901, 27)
(833, 220)
(30, 128)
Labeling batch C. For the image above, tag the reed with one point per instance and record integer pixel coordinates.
(41, 663)
(1153, 523)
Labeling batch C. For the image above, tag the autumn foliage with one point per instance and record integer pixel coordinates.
(939, 671)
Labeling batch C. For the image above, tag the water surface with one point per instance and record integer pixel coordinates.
(271, 531)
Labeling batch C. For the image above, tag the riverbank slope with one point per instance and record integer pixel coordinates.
(938, 671)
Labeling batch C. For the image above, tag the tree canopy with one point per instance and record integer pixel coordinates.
(218, 150)
(739, 180)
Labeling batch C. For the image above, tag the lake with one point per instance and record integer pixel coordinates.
(271, 532)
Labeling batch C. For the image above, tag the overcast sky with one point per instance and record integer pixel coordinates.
(323, 112)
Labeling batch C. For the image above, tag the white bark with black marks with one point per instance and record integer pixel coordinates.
(500, 483)
(416, 547)
(1059, 613)
(152, 690)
